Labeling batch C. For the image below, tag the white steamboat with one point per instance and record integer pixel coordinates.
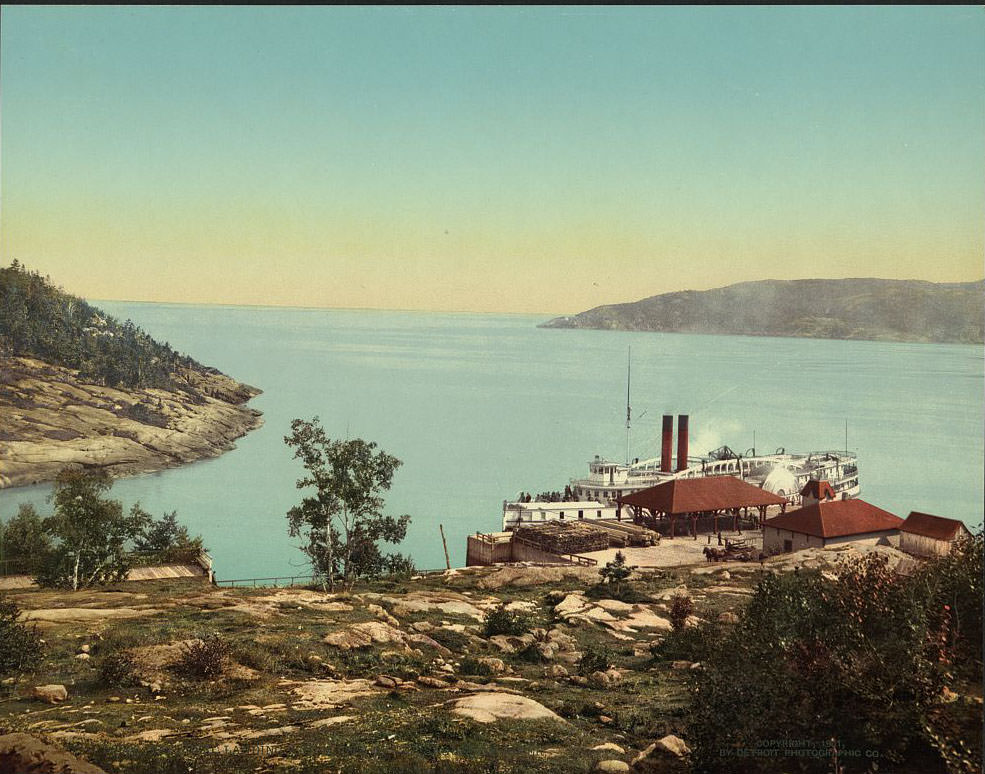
(783, 473)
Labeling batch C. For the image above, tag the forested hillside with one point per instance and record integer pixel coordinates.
(42, 321)
(80, 389)
(878, 309)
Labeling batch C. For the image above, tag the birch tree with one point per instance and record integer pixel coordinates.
(342, 519)
(91, 532)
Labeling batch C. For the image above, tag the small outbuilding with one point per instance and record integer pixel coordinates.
(830, 522)
(925, 535)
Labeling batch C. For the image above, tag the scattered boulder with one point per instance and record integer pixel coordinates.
(385, 681)
(363, 635)
(573, 603)
(495, 665)
(605, 679)
(564, 643)
(490, 707)
(24, 754)
(728, 617)
(611, 766)
(51, 694)
(668, 745)
(383, 615)
(555, 671)
(432, 682)
(609, 746)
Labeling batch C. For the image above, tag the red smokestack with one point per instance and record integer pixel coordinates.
(667, 448)
(681, 441)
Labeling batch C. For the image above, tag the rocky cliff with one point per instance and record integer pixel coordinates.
(53, 419)
(79, 388)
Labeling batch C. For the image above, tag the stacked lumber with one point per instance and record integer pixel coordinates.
(623, 534)
(556, 537)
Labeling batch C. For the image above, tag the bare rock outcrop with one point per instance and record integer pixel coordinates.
(54, 420)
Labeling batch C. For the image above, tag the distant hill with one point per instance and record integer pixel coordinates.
(878, 309)
(79, 388)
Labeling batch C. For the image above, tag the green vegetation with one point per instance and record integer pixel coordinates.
(116, 669)
(343, 521)
(401, 716)
(204, 658)
(42, 321)
(23, 538)
(89, 539)
(615, 574)
(167, 539)
(502, 620)
(21, 648)
(91, 533)
(681, 608)
(868, 662)
(595, 658)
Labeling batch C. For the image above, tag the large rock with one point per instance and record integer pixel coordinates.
(363, 635)
(615, 606)
(331, 693)
(51, 694)
(728, 617)
(53, 420)
(490, 707)
(611, 766)
(609, 746)
(23, 754)
(668, 745)
(573, 603)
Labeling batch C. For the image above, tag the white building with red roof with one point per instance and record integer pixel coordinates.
(830, 522)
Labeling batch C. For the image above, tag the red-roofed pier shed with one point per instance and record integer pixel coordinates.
(697, 498)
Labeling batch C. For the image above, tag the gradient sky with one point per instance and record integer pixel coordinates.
(488, 159)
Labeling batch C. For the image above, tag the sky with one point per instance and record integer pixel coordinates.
(511, 159)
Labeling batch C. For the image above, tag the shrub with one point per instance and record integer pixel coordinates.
(595, 658)
(690, 643)
(681, 608)
(858, 660)
(399, 566)
(116, 669)
(20, 645)
(455, 641)
(203, 659)
(616, 571)
(509, 622)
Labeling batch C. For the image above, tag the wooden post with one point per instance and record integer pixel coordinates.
(445, 545)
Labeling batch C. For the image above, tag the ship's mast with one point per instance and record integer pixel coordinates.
(629, 371)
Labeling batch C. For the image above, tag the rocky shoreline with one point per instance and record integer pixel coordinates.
(52, 420)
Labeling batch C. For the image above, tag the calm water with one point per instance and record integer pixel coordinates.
(479, 407)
